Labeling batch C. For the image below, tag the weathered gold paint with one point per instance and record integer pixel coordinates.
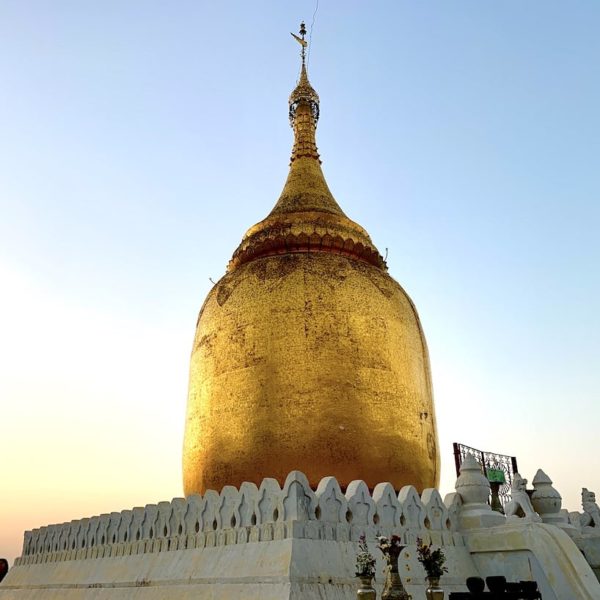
(307, 354)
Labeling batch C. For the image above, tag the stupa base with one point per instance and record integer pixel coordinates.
(283, 544)
(276, 569)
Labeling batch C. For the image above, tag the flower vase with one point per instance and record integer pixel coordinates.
(393, 589)
(434, 591)
(366, 591)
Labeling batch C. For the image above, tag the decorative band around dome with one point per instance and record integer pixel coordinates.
(273, 243)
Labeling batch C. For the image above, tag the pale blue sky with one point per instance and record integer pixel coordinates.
(141, 139)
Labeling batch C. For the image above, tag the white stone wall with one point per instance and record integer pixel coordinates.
(264, 542)
(272, 543)
(250, 514)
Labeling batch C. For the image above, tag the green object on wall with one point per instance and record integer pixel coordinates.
(496, 476)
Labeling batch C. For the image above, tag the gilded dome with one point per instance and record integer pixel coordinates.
(307, 354)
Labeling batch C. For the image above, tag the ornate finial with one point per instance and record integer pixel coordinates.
(304, 92)
(301, 41)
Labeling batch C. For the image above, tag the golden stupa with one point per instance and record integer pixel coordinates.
(307, 354)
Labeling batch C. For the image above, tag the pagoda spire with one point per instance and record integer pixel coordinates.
(305, 188)
(304, 109)
(306, 218)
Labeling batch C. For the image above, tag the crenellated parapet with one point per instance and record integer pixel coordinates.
(251, 514)
(296, 541)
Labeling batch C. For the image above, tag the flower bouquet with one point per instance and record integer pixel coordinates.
(432, 561)
(365, 561)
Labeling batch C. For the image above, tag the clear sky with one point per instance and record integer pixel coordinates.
(141, 139)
